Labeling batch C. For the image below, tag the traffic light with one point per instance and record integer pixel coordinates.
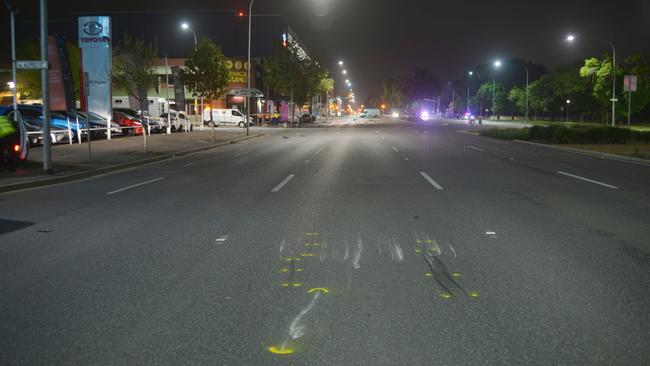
(241, 13)
(284, 40)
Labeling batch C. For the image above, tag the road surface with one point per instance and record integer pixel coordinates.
(375, 243)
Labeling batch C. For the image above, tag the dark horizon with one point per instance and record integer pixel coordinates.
(446, 39)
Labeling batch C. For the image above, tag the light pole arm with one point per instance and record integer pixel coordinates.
(194, 34)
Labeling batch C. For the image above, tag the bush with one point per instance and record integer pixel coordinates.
(561, 134)
(506, 133)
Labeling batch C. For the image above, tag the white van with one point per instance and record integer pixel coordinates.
(224, 117)
(370, 112)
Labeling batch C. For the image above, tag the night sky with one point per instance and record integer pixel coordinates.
(378, 38)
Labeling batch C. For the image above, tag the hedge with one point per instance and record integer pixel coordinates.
(559, 134)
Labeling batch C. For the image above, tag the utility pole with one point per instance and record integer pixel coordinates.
(248, 79)
(45, 92)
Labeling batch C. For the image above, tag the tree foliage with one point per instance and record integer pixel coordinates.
(205, 73)
(134, 62)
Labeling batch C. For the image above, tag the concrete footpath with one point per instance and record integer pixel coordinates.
(70, 162)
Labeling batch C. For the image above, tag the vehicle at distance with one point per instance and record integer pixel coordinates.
(155, 124)
(307, 118)
(130, 125)
(178, 120)
(424, 115)
(370, 113)
(224, 117)
(115, 128)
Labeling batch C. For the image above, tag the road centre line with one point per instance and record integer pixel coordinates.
(475, 148)
(587, 179)
(430, 180)
(134, 186)
(394, 149)
(283, 183)
(318, 151)
(242, 153)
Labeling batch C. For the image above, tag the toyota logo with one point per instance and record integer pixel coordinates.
(92, 28)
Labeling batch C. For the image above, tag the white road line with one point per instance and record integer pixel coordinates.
(318, 151)
(395, 149)
(436, 137)
(135, 186)
(242, 154)
(383, 138)
(306, 161)
(188, 164)
(475, 148)
(283, 183)
(430, 180)
(587, 180)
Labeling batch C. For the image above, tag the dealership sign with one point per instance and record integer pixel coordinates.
(96, 54)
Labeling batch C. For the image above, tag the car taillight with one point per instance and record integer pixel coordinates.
(16, 148)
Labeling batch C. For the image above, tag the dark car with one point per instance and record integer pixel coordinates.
(307, 118)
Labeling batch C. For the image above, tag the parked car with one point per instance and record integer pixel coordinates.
(307, 118)
(33, 114)
(34, 127)
(178, 120)
(130, 125)
(116, 130)
(224, 117)
(370, 112)
(155, 124)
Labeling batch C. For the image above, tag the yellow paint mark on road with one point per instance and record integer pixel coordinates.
(285, 284)
(298, 269)
(285, 270)
(311, 234)
(312, 244)
(308, 254)
(473, 294)
(418, 250)
(446, 295)
(289, 259)
(324, 290)
(297, 284)
(456, 274)
(428, 274)
(281, 350)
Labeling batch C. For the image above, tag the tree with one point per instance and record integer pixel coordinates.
(517, 97)
(393, 94)
(205, 73)
(134, 63)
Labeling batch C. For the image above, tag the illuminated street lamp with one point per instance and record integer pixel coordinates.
(11, 85)
(345, 72)
(568, 104)
(341, 63)
(497, 65)
(186, 26)
(570, 38)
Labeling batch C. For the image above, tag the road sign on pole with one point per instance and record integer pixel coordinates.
(32, 65)
(630, 86)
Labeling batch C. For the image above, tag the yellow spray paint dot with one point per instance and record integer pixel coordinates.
(446, 295)
(281, 350)
(299, 270)
(418, 250)
(311, 234)
(297, 284)
(308, 254)
(324, 290)
(418, 241)
(456, 274)
(428, 274)
(285, 270)
(285, 285)
(473, 294)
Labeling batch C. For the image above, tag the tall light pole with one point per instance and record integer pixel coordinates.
(469, 74)
(248, 78)
(186, 26)
(572, 38)
(45, 93)
(497, 64)
(12, 25)
(527, 81)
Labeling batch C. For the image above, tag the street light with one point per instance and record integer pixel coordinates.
(341, 63)
(570, 38)
(186, 27)
(497, 65)
(11, 85)
(568, 104)
(345, 72)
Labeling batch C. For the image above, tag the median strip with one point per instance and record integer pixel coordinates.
(587, 180)
(134, 186)
(430, 180)
(283, 183)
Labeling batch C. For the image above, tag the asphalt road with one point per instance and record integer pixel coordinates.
(374, 243)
